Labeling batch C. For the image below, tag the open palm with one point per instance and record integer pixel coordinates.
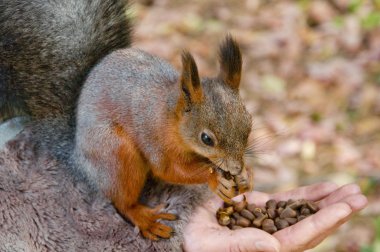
(203, 233)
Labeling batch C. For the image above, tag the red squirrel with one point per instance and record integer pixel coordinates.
(136, 117)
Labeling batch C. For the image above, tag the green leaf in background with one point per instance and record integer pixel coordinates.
(338, 21)
(377, 228)
(354, 5)
(372, 20)
(303, 3)
(375, 247)
(366, 249)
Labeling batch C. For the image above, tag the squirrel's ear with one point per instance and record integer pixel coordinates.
(190, 84)
(230, 62)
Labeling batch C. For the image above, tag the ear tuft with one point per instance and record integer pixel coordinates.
(230, 62)
(190, 69)
(190, 82)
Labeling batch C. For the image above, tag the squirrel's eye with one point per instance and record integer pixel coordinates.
(206, 139)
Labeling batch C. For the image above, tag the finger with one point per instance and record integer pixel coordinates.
(302, 234)
(258, 198)
(252, 239)
(356, 202)
(340, 194)
(247, 239)
(313, 192)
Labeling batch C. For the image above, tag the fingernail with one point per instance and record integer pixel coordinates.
(264, 246)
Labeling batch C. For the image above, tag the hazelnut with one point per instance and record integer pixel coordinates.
(268, 226)
(272, 213)
(243, 222)
(247, 214)
(251, 207)
(259, 221)
(271, 204)
(288, 213)
(291, 221)
(281, 204)
(224, 220)
(312, 206)
(281, 224)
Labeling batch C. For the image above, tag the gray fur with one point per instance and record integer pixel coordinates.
(44, 206)
(47, 47)
(130, 82)
(224, 113)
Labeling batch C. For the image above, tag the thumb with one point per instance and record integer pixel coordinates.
(247, 239)
(252, 239)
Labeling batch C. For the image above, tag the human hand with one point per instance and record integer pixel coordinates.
(337, 205)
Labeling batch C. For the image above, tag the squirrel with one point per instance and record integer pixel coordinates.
(133, 115)
(137, 116)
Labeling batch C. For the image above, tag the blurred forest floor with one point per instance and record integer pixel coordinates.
(311, 79)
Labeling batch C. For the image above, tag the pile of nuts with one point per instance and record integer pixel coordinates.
(271, 218)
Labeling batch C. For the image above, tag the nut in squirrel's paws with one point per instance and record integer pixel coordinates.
(150, 227)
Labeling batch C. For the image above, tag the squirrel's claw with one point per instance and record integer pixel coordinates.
(226, 189)
(226, 193)
(224, 197)
(146, 219)
(158, 230)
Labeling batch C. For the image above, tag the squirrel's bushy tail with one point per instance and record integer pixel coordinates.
(47, 47)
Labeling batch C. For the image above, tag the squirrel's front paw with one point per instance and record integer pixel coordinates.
(244, 180)
(225, 188)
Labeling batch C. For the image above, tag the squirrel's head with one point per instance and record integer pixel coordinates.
(214, 122)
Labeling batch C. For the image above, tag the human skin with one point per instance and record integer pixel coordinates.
(337, 205)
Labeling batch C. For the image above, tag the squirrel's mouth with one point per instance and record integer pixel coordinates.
(227, 175)
(214, 168)
(217, 168)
